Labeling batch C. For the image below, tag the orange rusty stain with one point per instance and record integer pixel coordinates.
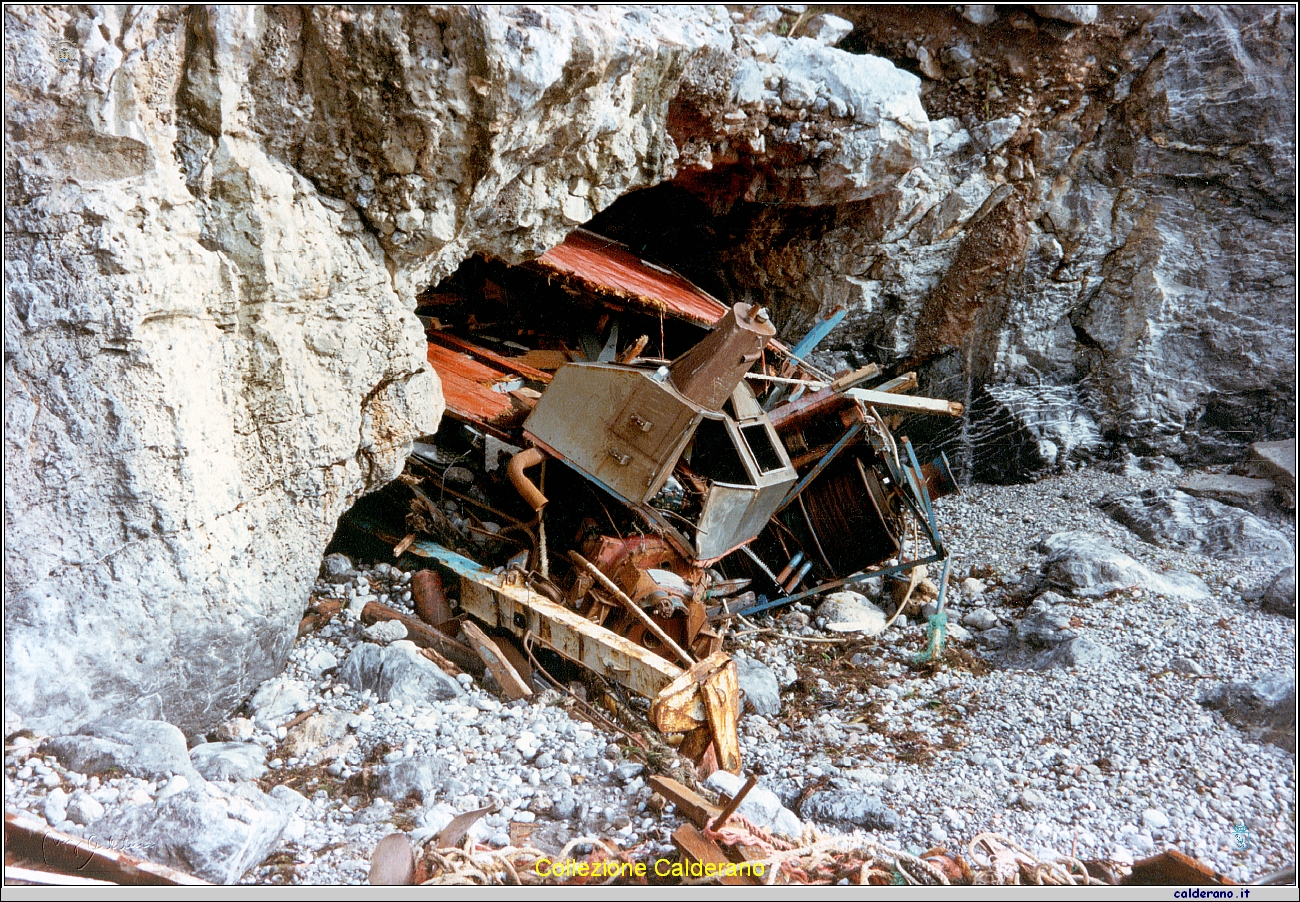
(610, 268)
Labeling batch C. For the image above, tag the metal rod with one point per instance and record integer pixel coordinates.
(633, 608)
(789, 568)
(835, 584)
(798, 577)
(730, 808)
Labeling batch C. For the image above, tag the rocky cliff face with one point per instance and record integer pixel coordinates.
(1098, 248)
(216, 220)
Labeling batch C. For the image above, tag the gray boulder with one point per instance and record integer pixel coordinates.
(424, 776)
(214, 832)
(232, 761)
(1173, 519)
(336, 568)
(142, 748)
(1072, 13)
(1279, 597)
(1044, 639)
(1086, 565)
(759, 684)
(846, 803)
(1246, 492)
(277, 701)
(761, 806)
(1264, 709)
(979, 13)
(397, 672)
(1275, 461)
(851, 612)
(315, 732)
(827, 29)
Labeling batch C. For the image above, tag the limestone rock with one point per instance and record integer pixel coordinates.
(1275, 461)
(1074, 14)
(980, 619)
(759, 684)
(1086, 565)
(397, 672)
(233, 761)
(1265, 708)
(422, 776)
(1174, 519)
(209, 831)
(843, 802)
(219, 355)
(382, 632)
(1246, 492)
(143, 748)
(1073, 281)
(314, 733)
(277, 701)
(979, 13)
(337, 569)
(827, 29)
(761, 806)
(850, 612)
(1280, 595)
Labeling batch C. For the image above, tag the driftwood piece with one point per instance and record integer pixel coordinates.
(426, 637)
(693, 806)
(695, 846)
(511, 683)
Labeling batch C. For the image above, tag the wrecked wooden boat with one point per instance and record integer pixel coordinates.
(627, 463)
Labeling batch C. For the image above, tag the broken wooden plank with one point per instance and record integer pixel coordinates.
(693, 806)
(697, 847)
(904, 402)
(905, 382)
(447, 665)
(29, 839)
(426, 636)
(511, 683)
(848, 380)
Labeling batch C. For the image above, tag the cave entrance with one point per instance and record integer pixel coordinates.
(498, 333)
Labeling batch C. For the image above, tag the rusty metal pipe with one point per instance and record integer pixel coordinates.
(789, 568)
(798, 577)
(529, 457)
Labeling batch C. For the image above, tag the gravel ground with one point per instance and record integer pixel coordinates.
(1110, 762)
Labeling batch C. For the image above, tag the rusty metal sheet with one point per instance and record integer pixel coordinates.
(608, 268)
(467, 386)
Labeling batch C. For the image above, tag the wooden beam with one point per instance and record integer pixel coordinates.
(905, 382)
(426, 636)
(848, 380)
(904, 402)
(693, 806)
(695, 846)
(511, 683)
